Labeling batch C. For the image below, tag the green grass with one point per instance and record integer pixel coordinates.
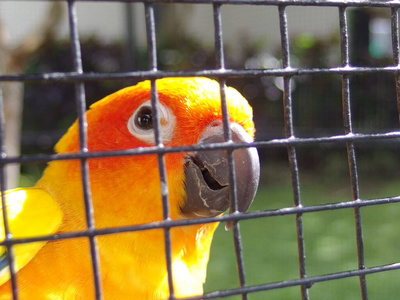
(270, 245)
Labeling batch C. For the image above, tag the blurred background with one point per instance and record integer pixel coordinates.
(34, 38)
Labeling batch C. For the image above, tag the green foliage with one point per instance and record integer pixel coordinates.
(270, 244)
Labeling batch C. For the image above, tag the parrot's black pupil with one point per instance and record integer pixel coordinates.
(144, 118)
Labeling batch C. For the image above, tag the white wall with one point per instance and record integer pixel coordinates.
(107, 21)
(102, 19)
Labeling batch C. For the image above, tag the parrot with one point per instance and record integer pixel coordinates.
(126, 191)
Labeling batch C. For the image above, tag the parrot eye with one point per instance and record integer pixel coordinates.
(141, 123)
(144, 118)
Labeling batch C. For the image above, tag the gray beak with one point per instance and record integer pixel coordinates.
(207, 175)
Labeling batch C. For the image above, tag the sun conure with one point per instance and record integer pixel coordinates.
(126, 191)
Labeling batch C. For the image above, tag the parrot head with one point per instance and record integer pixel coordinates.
(189, 113)
(126, 190)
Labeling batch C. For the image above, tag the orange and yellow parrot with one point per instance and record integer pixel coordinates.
(126, 191)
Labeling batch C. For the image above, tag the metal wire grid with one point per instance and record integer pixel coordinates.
(291, 142)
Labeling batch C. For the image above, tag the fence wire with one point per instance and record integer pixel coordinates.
(291, 142)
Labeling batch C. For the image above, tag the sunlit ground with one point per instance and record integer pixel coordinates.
(270, 244)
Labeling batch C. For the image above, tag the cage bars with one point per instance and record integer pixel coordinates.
(396, 51)
(8, 238)
(226, 73)
(291, 142)
(281, 142)
(351, 155)
(220, 61)
(130, 37)
(292, 156)
(295, 282)
(83, 147)
(323, 3)
(229, 217)
(152, 55)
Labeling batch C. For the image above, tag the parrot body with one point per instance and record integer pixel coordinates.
(126, 191)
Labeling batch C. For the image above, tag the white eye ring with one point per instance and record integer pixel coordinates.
(141, 123)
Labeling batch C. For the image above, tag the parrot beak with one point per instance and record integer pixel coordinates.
(207, 175)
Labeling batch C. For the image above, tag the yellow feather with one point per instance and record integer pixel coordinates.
(31, 212)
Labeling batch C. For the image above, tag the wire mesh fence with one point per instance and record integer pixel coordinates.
(291, 142)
